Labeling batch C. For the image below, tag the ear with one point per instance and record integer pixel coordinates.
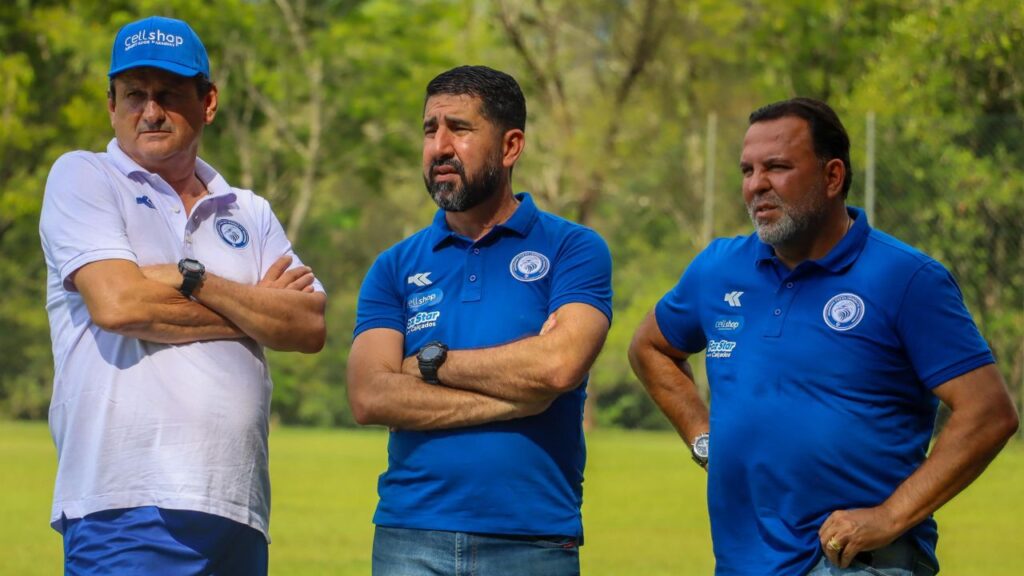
(210, 105)
(512, 145)
(111, 103)
(835, 175)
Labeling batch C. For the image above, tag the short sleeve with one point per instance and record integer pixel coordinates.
(937, 331)
(582, 273)
(678, 312)
(275, 242)
(380, 303)
(81, 220)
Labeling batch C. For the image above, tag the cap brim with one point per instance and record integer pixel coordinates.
(162, 64)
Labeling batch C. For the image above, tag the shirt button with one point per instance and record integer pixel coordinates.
(472, 278)
(476, 250)
(789, 284)
(777, 312)
(177, 210)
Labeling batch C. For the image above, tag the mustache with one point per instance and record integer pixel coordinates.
(161, 127)
(451, 162)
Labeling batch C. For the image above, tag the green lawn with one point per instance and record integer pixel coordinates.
(644, 511)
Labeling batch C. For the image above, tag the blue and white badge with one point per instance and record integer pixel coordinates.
(233, 233)
(529, 266)
(843, 311)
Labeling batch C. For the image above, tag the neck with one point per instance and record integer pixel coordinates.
(817, 241)
(476, 222)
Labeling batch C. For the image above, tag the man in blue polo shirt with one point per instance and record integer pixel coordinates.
(498, 310)
(828, 346)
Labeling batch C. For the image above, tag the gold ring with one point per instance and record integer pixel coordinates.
(834, 545)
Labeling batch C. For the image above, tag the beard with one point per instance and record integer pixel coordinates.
(796, 221)
(467, 192)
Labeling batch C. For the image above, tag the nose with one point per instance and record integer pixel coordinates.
(442, 145)
(152, 111)
(756, 182)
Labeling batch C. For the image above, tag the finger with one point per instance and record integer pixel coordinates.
(308, 289)
(846, 557)
(290, 276)
(549, 325)
(301, 282)
(276, 269)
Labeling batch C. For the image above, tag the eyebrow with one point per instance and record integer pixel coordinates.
(454, 121)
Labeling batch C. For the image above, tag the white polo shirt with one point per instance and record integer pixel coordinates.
(138, 423)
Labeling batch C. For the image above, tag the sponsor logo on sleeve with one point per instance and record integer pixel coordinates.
(729, 324)
(529, 266)
(843, 311)
(425, 299)
(720, 348)
(421, 321)
(232, 233)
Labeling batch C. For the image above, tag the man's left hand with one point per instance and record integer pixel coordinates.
(847, 533)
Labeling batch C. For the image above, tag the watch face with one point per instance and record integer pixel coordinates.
(189, 265)
(700, 446)
(430, 353)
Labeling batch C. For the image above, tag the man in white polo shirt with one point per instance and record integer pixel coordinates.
(164, 286)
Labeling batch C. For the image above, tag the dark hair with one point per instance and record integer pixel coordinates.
(502, 101)
(827, 132)
(203, 87)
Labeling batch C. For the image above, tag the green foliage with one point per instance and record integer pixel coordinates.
(320, 104)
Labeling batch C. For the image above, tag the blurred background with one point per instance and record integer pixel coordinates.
(637, 110)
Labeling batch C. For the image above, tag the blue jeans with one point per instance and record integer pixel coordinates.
(148, 541)
(406, 552)
(901, 558)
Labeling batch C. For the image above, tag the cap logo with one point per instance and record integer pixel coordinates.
(143, 37)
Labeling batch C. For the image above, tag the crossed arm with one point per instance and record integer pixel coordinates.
(513, 380)
(281, 311)
(668, 378)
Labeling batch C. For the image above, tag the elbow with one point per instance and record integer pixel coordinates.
(563, 377)
(364, 411)
(315, 339)
(118, 319)
(1009, 424)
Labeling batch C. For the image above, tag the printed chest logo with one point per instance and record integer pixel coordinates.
(843, 311)
(529, 266)
(419, 279)
(145, 201)
(420, 321)
(232, 233)
(729, 324)
(425, 299)
(720, 348)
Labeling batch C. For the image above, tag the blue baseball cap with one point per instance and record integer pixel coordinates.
(160, 42)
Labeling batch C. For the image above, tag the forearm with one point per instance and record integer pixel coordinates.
(407, 403)
(121, 300)
(534, 369)
(967, 444)
(670, 384)
(290, 320)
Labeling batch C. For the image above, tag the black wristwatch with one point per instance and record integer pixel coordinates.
(192, 274)
(699, 449)
(431, 357)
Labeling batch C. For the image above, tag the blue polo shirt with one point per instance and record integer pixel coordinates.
(821, 383)
(518, 477)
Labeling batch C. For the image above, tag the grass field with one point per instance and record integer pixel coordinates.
(644, 513)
